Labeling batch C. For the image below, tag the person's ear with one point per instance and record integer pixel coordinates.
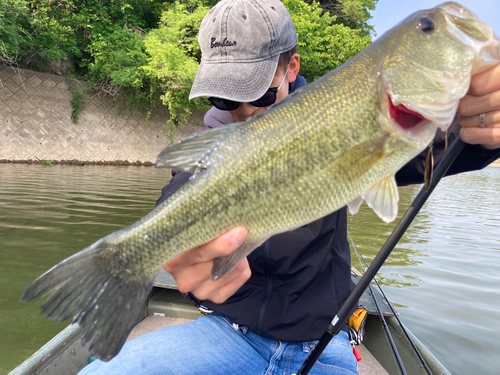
(294, 67)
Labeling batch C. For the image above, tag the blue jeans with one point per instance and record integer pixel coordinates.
(213, 345)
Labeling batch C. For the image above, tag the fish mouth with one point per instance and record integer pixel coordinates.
(409, 122)
(405, 118)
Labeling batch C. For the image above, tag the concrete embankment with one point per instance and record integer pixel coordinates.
(36, 125)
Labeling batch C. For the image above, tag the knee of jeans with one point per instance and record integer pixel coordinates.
(342, 339)
(339, 354)
(337, 357)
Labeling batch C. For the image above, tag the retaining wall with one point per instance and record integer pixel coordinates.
(36, 125)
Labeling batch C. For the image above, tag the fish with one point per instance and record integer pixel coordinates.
(335, 142)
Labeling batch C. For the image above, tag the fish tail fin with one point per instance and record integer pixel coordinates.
(102, 297)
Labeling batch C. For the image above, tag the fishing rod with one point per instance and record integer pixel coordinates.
(422, 360)
(345, 311)
(392, 344)
(388, 334)
(362, 260)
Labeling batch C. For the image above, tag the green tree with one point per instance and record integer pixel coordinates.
(351, 13)
(58, 29)
(26, 29)
(13, 14)
(324, 44)
(174, 55)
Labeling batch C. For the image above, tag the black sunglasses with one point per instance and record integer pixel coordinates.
(265, 100)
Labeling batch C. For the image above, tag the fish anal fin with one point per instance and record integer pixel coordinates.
(383, 198)
(223, 265)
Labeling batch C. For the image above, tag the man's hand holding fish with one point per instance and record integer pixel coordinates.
(192, 270)
(479, 110)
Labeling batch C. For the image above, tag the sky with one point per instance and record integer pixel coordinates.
(388, 13)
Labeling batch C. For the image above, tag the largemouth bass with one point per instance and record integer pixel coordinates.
(337, 141)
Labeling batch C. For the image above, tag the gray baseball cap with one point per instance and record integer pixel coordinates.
(241, 41)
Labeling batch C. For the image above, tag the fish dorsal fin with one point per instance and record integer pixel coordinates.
(383, 198)
(354, 205)
(188, 153)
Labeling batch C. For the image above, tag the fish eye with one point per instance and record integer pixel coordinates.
(426, 25)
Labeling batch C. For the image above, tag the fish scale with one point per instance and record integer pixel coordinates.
(331, 143)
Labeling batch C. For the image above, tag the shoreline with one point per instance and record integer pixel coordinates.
(81, 162)
(494, 164)
(35, 118)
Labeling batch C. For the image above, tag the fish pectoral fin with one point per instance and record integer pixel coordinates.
(359, 159)
(383, 198)
(188, 153)
(354, 205)
(223, 265)
(105, 299)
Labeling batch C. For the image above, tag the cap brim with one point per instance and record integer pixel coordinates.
(238, 81)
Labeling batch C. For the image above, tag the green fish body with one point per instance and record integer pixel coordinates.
(337, 141)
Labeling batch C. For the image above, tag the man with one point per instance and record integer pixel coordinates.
(270, 310)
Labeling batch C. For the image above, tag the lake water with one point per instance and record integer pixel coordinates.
(444, 276)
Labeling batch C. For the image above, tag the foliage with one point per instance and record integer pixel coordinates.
(58, 29)
(122, 64)
(117, 71)
(351, 13)
(323, 43)
(77, 104)
(78, 91)
(31, 28)
(12, 15)
(173, 57)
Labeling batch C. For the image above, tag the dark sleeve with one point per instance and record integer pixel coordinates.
(298, 83)
(178, 179)
(472, 157)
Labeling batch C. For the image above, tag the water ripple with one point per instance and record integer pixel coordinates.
(47, 214)
(451, 255)
(444, 273)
